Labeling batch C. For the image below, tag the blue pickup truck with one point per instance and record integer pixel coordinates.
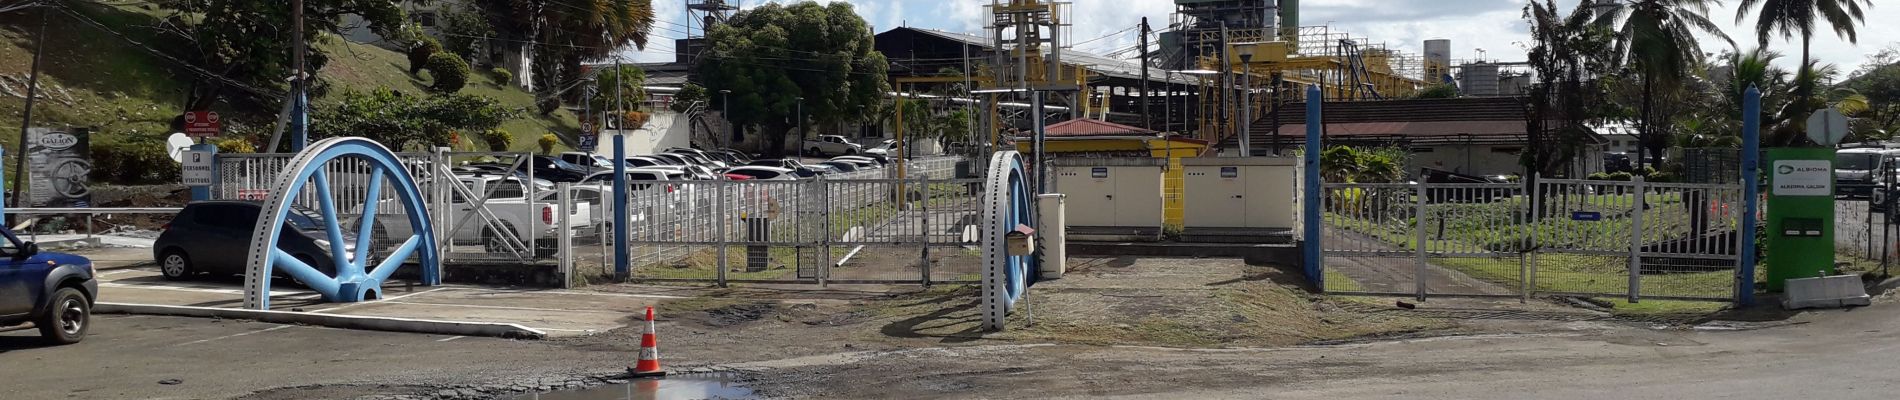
(53, 291)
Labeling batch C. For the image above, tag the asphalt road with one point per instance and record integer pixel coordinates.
(127, 357)
(1829, 354)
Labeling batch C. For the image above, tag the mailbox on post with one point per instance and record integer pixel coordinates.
(1021, 241)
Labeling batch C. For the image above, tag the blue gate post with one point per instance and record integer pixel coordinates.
(621, 269)
(1315, 269)
(202, 193)
(1751, 175)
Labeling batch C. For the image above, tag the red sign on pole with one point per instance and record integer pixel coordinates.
(202, 124)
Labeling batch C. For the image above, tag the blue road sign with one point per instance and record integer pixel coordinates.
(1586, 216)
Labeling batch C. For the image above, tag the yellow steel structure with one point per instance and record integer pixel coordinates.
(1341, 73)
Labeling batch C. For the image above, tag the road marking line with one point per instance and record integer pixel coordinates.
(201, 289)
(578, 292)
(238, 334)
(114, 272)
(450, 338)
(392, 299)
(508, 308)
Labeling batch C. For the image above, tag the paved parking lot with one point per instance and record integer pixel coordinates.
(557, 312)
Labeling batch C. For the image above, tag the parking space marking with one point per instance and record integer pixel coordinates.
(505, 307)
(202, 289)
(237, 335)
(450, 338)
(392, 299)
(578, 292)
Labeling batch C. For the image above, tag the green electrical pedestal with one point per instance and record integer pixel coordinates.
(1800, 214)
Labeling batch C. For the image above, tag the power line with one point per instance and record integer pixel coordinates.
(187, 65)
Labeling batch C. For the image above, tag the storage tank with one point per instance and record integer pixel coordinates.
(1514, 85)
(1437, 59)
(1480, 80)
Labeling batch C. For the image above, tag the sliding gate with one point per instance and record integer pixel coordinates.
(1626, 240)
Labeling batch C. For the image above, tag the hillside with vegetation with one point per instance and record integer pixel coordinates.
(113, 69)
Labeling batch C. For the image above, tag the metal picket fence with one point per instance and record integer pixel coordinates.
(1628, 240)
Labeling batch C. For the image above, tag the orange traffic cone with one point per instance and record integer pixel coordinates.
(649, 363)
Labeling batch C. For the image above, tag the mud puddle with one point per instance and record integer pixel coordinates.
(652, 389)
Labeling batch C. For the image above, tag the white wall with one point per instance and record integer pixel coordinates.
(1466, 159)
(665, 129)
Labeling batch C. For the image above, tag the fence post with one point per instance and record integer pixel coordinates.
(565, 196)
(1527, 259)
(1311, 230)
(444, 237)
(824, 229)
(924, 183)
(1751, 169)
(1636, 238)
(723, 217)
(1418, 223)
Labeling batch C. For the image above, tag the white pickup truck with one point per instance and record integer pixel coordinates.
(509, 206)
(831, 144)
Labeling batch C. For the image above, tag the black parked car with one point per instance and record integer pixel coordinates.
(553, 169)
(214, 237)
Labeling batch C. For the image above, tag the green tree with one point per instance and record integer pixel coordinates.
(246, 40)
(771, 55)
(629, 80)
(1879, 81)
(567, 32)
(689, 94)
(449, 71)
(1791, 18)
(1571, 58)
(1656, 38)
(419, 51)
(400, 120)
(1438, 91)
(463, 28)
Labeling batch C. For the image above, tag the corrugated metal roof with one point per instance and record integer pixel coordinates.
(1090, 127)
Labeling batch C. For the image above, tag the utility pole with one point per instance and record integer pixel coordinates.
(620, 103)
(32, 91)
(300, 114)
(1147, 119)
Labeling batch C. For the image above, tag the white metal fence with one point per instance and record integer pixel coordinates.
(1569, 237)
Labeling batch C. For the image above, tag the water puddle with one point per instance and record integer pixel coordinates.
(652, 389)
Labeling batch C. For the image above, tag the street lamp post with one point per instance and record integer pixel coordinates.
(1246, 99)
(725, 112)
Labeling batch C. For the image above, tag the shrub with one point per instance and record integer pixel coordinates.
(132, 162)
(450, 72)
(498, 140)
(502, 76)
(547, 142)
(420, 52)
(235, 145)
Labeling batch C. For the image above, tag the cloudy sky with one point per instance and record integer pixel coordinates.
(1495, 26)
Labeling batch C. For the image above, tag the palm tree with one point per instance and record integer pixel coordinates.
(1657, 38)
(1788, 18)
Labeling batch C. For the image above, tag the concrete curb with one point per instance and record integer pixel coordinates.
(487, 329)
